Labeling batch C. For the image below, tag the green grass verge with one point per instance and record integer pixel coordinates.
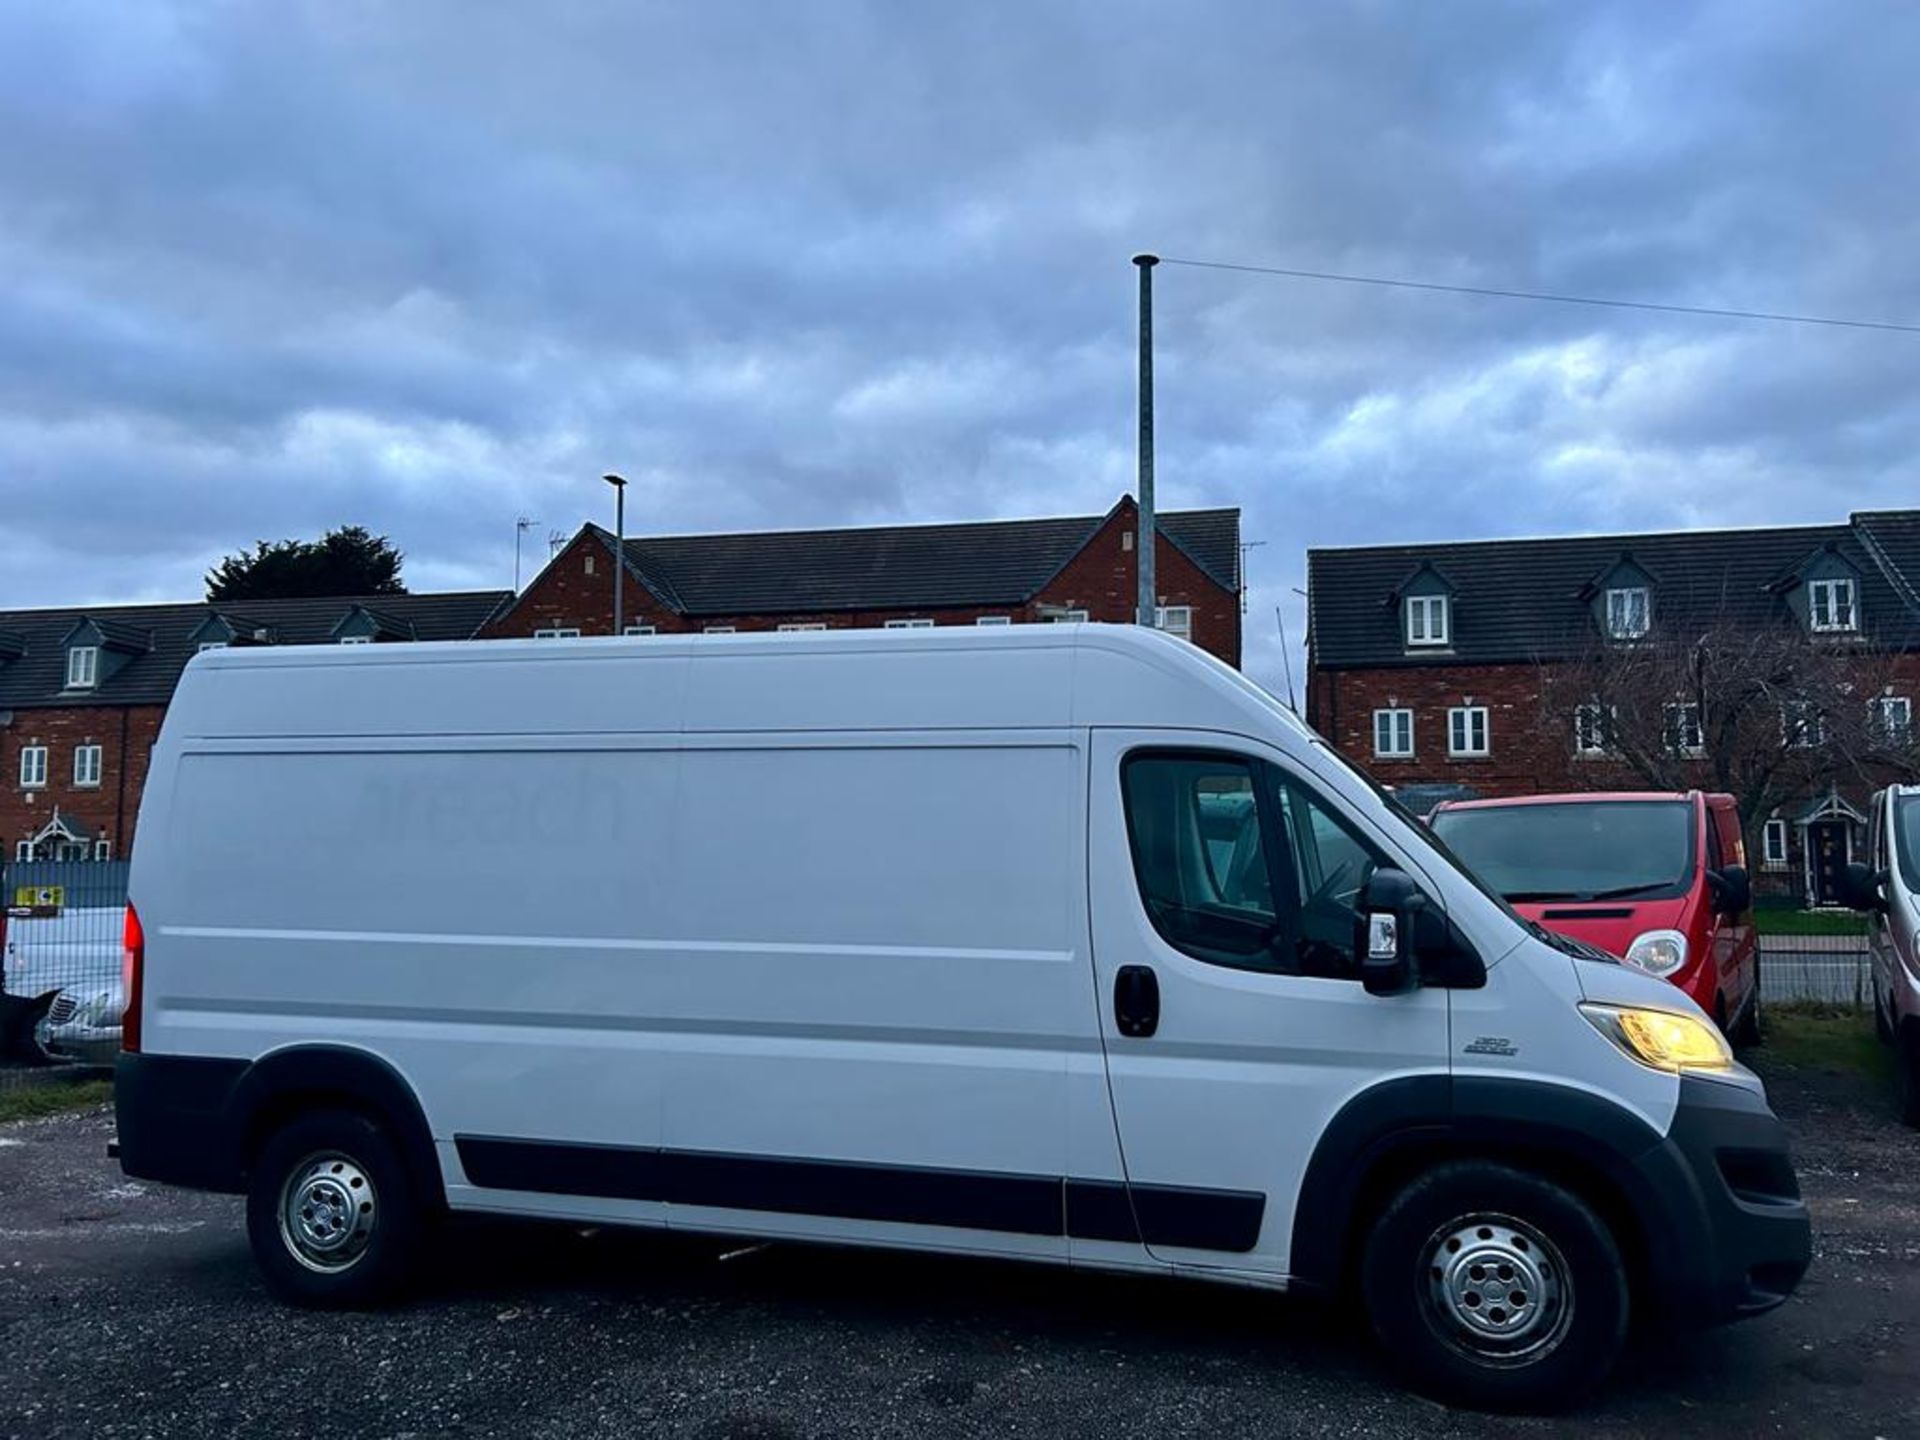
(1809, 922)
(30, 1102)
(1826, 1037)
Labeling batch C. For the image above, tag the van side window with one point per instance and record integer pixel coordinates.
(1240, 866)
(1331, 865)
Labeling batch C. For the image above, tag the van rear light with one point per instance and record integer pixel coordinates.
(133, 961)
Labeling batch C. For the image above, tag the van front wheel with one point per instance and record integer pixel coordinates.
(331, 1212)
(1496, 1288)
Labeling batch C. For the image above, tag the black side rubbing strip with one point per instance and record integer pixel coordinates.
(964, 1199)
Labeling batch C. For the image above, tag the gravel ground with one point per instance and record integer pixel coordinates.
(129, 1310)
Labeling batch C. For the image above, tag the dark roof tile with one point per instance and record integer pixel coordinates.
(1519, 600)
(37, 673)
(897, 567)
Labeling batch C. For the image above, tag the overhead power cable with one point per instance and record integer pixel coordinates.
(1502, 294)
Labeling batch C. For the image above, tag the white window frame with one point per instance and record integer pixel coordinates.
(721, 630)
(1460, 732)
(1884, 708)
(103, 850)
(1434, 625)
(83, 667)
(639, 630)
(23, 852)
(1833, 591)
(358, 639)
(1590, 729)
(1068, 617)
(551, 632)
(1398, 733)
(993, 620)
(88, 777)
(33, 767)
(915, 623)
(1802, 726)
(1622, 621)
(1698, 747)
(206, 645)
(1768, 833)
(1164, 619)
(797, 627)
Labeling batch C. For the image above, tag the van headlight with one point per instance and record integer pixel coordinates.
(1658, 952)
(1664, 1039)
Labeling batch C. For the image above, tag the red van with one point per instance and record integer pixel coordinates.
(1659, 880)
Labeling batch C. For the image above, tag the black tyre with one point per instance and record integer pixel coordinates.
(1496, 1288)
(1882, 1028)
(1907, 1073)
(333, 1215)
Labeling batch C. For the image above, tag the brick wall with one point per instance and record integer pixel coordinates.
(1530, 753)
(576, 592)
(125, 735)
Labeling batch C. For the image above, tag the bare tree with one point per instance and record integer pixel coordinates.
(1766, 711)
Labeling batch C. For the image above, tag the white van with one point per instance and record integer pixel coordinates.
(1061, 943)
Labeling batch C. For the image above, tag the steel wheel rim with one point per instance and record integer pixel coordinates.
(328, 1210)
(1496, 1289)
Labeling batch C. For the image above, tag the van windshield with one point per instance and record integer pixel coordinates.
(1579, 850)
(1906, 825)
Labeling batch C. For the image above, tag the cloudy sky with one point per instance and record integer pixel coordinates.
(267, 268)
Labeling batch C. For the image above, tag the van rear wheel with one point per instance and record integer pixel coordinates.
(1496, 1288)
(332, 1214)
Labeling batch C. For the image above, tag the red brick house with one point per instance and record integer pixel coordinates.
(1435, 666)
(1010, 572)
(82, 692)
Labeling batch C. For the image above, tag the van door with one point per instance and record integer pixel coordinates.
(1880, 955)
(1731, 936)
(878, 1006)
(1223, 887)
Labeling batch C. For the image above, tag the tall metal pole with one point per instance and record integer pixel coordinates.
(619, 551)
(520, 528)
(1149, 593)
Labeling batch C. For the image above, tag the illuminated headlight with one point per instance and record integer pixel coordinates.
(1658, 952)
(1664, 1039)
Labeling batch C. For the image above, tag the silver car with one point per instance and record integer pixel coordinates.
(1887, 888)
(77, 953)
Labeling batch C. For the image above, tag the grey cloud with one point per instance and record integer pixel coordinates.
(428, 267)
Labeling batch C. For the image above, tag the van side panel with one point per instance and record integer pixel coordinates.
(485, 916)
(882, 973)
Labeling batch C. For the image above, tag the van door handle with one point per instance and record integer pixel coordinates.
(1136, 1001)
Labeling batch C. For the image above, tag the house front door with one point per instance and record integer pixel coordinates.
(1829, 847)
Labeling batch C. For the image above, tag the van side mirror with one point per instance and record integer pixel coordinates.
(1860, 887)
(1384, 931)
(1732, 889)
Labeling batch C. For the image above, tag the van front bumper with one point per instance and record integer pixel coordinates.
(1726, 1231)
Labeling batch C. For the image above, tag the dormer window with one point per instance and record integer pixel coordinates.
(1427, 620)
(1830, 605)
(1629, 612)
(83, 667)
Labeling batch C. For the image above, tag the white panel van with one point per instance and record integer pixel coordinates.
(1064, 943)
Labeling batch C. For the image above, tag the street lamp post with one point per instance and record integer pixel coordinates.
(1143, 560)
(520, 528)
(619, 550)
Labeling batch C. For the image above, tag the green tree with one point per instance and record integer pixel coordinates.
(347, 561)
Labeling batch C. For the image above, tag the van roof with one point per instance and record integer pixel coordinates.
(933, 678)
